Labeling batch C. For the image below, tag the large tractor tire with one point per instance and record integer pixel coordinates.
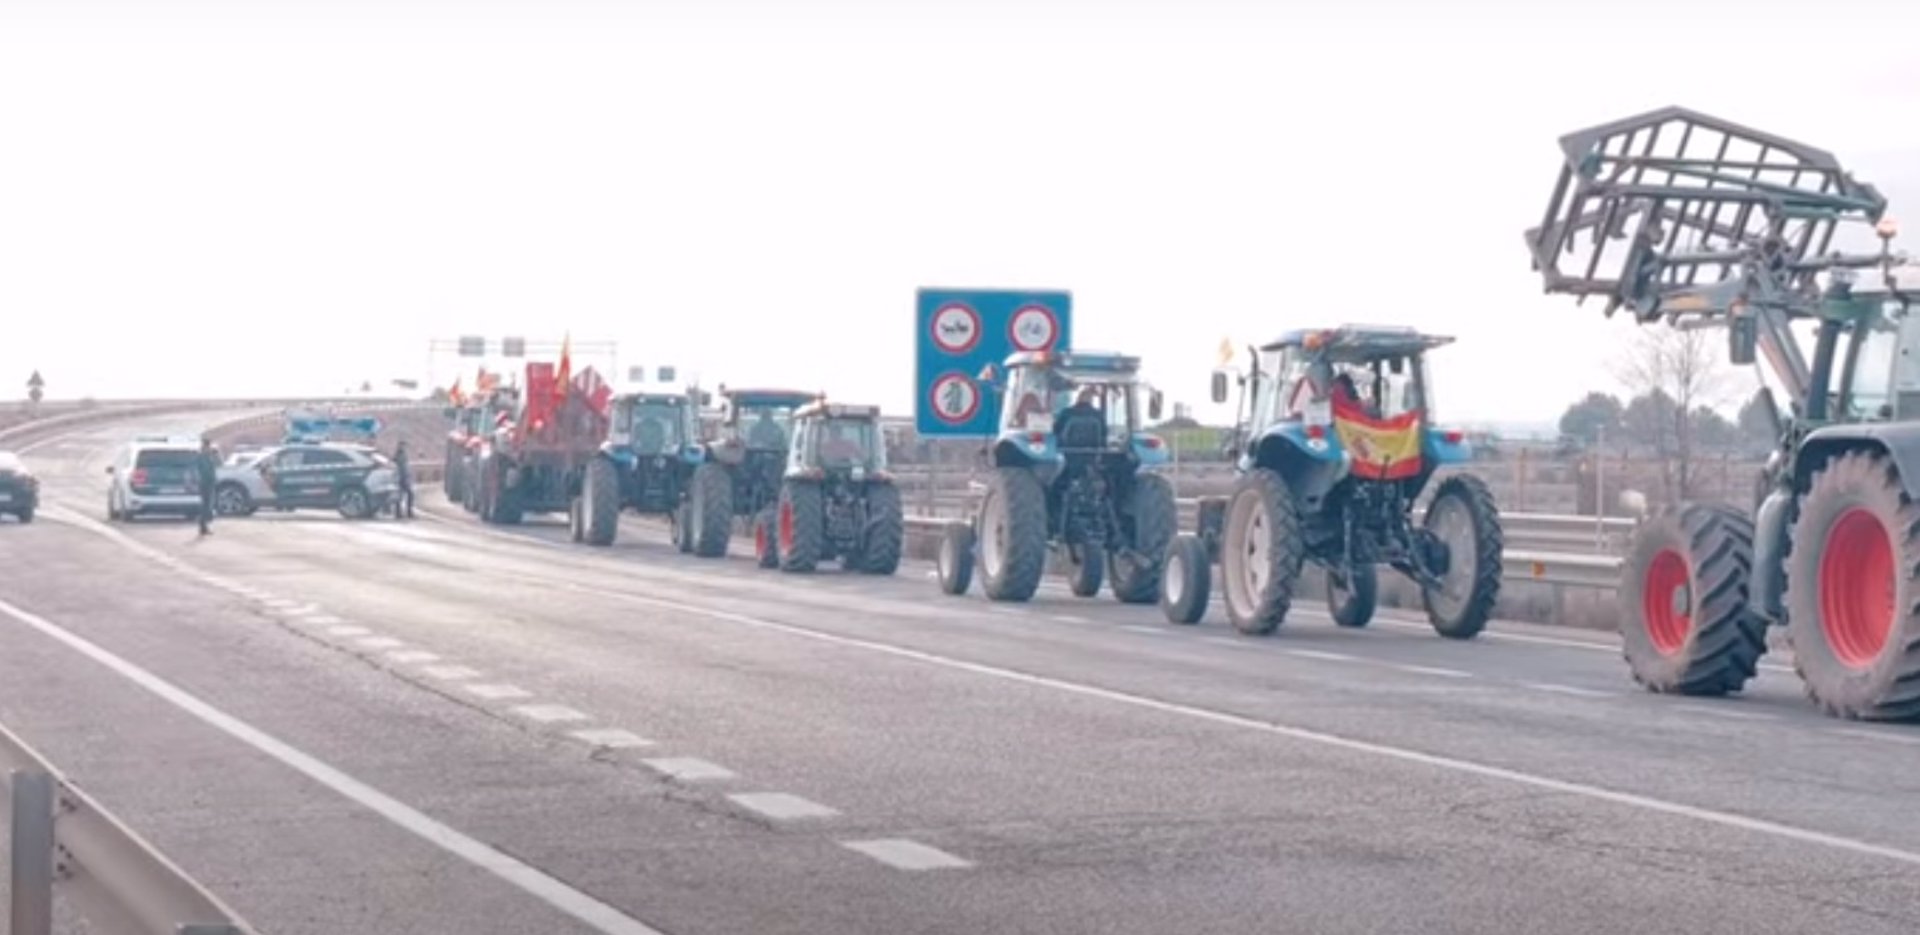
(1186, 580)
(766, 538)
(682, 528)
(1135, 572)
(802, 524)
(1086, 569)
(1685, 625)
(452, 479)
(954, 565)
(1463, 604)
(1013, 535)
(1353, 595)
(886, 530)
(712, 520)
(1853, 583)
(577, 519)
(1261, 551)
(600, 502)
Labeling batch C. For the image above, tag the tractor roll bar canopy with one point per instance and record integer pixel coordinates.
(824, 409)
(1348, 343)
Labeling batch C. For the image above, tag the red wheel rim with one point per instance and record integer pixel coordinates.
(1856, 588)
(1667, 625)
(760, 539)
(786, 527)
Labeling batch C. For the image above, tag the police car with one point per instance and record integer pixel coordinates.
(356, 480)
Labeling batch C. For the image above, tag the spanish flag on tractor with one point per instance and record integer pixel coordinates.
(1381, 449)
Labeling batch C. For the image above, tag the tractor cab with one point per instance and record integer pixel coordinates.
(760, 420)
(1356, 393)
(1058, 408)
(653, 425)
(837, 440)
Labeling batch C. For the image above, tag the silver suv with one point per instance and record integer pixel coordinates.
(152, 475)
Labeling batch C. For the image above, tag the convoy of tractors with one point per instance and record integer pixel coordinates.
(1681, 218)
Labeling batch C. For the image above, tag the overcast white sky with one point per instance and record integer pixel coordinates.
(220, 198)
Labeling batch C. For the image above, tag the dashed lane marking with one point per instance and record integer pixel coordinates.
(611, 737)
(902, 854)
(379, 642)
(499, 692)
(1146, 630)
(1517, 777)
(549, 713)
(1728, 713)
(688, 769)
(529, 879)
(450, 673)
(1435, 671)
(1568, 690)
(412, 656)
(1321, 655)
(781, 806)
(349, 630)
(321, 620)
(1068, 618)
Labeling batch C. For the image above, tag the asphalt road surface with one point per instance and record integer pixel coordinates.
(438, 727)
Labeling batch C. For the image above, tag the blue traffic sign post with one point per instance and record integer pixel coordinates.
(959, 331)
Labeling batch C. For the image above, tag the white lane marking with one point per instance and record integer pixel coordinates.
(612, 737)
(450, 673)
(301, 610)
(781, 806)
(1137, 628)
(549, 713)
(1068, 618)
(279, 603)
(600, 916)
(349, 631)
(1870, 734)
(499, 692)
(380, 642)
(688, 769)
(1303, 734)
(413, 656)
(1575, 691)
(1435, 670)
(320, 620)
(1321, 655)
(1004, 610)
(1569, 642)
(902, 854)
(1729, 713)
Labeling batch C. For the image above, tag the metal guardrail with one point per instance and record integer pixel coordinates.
(116, 880)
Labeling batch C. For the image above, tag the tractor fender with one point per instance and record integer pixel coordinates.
(1440, 451)
(1149, 449)
(1310, 467)
(1023, 449)
(618, 454)
(1768, 584)
(1899, 441)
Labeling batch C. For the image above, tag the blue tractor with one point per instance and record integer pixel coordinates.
(653, 464)
(1335, 445)
(1074, 475)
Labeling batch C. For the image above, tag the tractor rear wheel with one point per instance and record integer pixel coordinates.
(576, 520)
(600, 502)
(886, 530)
(954, 565)
(451, 478)
(1353, 594)
(1852, 590)
(1186, 580)
(1261, 551)
(712, 510)
(1685, 625)
(802, 525)
(1086, 569)
(681, 524)
(1462, 515)
(1013, 535)
(766, 541)
(1135, 572)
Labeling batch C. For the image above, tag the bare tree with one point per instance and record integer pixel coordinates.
(1673, 373)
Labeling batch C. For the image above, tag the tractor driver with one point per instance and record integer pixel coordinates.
(765, 434)
(841, 446)
(1081, 425)
(651, 436)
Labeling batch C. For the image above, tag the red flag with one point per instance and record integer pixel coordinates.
(453, 394)
(564, 378)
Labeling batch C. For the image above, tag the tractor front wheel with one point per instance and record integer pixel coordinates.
(1352, 594)
(1013, 535)
(1261, 551)
(954, 565)
(1685, 625)
(600, 502)
(886, 531)
(712, 510)
(801, 523)
(1852, 589)
(1462, 515)
(1086, 569)
(1155, 516)
(1186, 580)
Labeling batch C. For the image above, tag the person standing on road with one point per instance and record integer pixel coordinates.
(204, 469)
(403, 474)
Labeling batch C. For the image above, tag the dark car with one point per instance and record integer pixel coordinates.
(19, 489)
